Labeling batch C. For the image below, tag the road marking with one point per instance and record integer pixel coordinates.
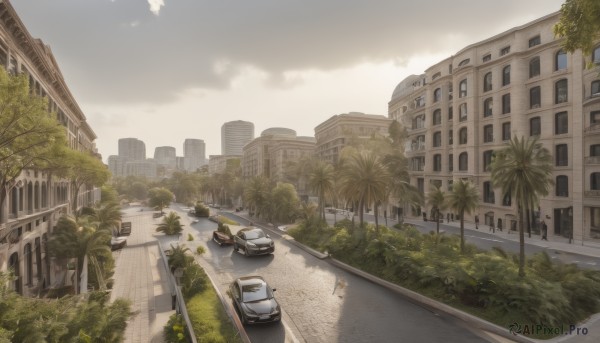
(591, 263)
(487, 239)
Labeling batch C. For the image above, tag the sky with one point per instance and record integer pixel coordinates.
(166, 70)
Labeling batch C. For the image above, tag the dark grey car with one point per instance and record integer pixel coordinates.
(253, 241)
(254, 300)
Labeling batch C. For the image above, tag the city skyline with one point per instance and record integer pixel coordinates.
(262, 66)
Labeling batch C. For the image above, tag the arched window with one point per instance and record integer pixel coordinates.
(437, 95)
(30, 197)
(437, 117)
(534, 67)
(28, 264)
(14, 202)
(488, 105)
(437, 139)
(506, 103)
(462, 136)
(488, 133)
(37, 195)
(462, 88)
(487, 82)
(535, 126)
(560, 60)
(463, 161)
(506, 75)
(13, 264)
(464, 62)
(535, 97)
(436, 75)
(437, 162)
(44, 195)
(562, 186)
(487, 160)
(561, 93)
(561, 123)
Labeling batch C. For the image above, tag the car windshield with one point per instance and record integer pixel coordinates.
(254, 234)
(255, 292)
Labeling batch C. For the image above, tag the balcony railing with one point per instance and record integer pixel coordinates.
(592, 160)
(593, 193)
(594, 128)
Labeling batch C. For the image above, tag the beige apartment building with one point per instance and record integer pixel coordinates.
(37, 199)
(521, 83)
(270, 154)
(334, 134)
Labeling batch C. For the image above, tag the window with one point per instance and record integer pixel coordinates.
(462, 136)
(462, 89)
(560, 60)
(595, 150)
(488, 105)
(437, 162)
(561, 123)
(487, 160)
(487, 82)
(506, 75)
(506, 103)
(488, 192)
(450, 134)
(560, 91)
(436, 75)
(449, 90)
(506, 131)
(535, 97)
(418, 122)
(534, 41)
(534, 67)
(450, 113)
(504, 50)
(488, 133)
(535, 126)
(437, 139)
(450, 162)
(463, 161)
(595, 181)
(562, 186)
(507, 200)
(437, 117)
(463, 112)
(594, 117)
(487, 58)
(595, 87)
(596, 55)
(418, 163)
(437, 95)
(562, 155)
(464, 62)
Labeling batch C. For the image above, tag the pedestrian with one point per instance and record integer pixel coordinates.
(476, 222)
(448, 217)
(544, 231)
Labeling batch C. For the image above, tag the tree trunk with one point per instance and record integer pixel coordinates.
(437, 220)
(84, 276)
(376, 218)
(462, 231)
(521, 246)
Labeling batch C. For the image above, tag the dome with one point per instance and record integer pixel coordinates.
(406, 86)
(278, 131)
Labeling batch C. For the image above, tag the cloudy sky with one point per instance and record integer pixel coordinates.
(165, 70)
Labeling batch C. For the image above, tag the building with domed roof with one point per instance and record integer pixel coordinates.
(517, 83)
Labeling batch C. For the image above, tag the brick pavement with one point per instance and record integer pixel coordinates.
(140, 276)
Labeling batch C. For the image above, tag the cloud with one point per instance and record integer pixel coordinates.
(155, 6)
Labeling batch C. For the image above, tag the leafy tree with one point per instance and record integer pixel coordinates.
(160, 198)
(256, 194)
(108, 194)
(170, 225)
(138, 190)
(464, 198)
(364, 180)
(436, 199)
(321, 181)
(523, 169)
(285, 203)
(29, 136)
(579, 25)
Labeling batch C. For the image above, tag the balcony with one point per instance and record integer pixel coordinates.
(592, 129)
(592, 160)
(595, 193)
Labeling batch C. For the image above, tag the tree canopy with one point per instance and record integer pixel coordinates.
(579, 25)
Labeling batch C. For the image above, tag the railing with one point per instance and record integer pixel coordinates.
(592, 160)
(592, 193)
(592, 128)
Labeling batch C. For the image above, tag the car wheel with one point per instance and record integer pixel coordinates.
(235, 247)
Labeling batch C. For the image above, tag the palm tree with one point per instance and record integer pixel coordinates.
(364, 179)
(321, 181)
(179, 258)
(436, 199)
(400, 186)
(170, 224)
(523, 169)
(464, 198)
(108, 216)
(82, 241)
(256, 195)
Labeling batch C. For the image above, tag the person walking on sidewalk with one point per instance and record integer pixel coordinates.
(476, 222)
(544, 231)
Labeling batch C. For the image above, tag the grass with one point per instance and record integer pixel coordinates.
(226, 220)
(209, 320)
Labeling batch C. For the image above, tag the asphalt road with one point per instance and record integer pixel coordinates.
(322, 303)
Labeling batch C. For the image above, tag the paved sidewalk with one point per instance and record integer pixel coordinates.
(140, 276)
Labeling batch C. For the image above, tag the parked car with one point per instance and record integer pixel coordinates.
(253, 241)
(222, 238)
(125, 229)
(254, 300)
(117, 243)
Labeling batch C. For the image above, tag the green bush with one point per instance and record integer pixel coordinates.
(194, 281)
(175, 330)
(190, 237)
(200, 250)
(201, 210)
(224, 228)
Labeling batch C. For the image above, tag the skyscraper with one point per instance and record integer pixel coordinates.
(132, 149)
(165, 156)
(194, 154)
(234, 135)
